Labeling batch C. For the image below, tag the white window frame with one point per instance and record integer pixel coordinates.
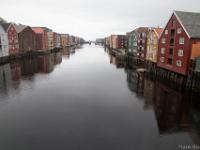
(180, 52)
(163, 40)
(162, 51)
(179, 63)
(179, 30)
(181, 40)
(162, 59)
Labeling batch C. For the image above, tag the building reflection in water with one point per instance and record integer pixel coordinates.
(12, 74)
(175, 111)
(5, 80)
(117, 62)
(69, 51)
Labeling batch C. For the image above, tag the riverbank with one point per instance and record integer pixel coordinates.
(8, 59)
(190, 82)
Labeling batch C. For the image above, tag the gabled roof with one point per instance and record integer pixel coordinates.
(38, 30)
(19, 28)
(190, 22)
(158, 31)
(5, 25)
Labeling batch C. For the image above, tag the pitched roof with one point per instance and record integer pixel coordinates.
(38, 30)
(142, 29)
(158, 31)
(19, 28)
(5, 25)
(190, 22)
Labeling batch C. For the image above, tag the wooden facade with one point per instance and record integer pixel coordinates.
(152, 44)
(142, 33)
(175, 44)
(12, 39)
(64, 40)
(50, 37)
(27, 40)
(4, 48)
(132, 48)
(41, 38)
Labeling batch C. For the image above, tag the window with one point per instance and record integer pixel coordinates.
(173, 23)
(172, 42)
(162, 59)
(172, 32)
(179, 30)
(143, 34)
(163, 40)
(179, 63)
(142, 55)
(166, 32)
(170, 61)
(181, 40)
(171, 51)
(180, 52)
(162, 50)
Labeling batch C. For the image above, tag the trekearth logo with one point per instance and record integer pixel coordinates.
(189, 147)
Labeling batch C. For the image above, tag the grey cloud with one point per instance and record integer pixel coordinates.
(93, 18)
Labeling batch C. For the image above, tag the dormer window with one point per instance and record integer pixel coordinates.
(173, 23)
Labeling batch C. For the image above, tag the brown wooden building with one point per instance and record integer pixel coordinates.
(142, 33)
(41, 38)
(27, 38)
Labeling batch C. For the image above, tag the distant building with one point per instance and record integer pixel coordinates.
(58, 41)
(50, 40)
(132, 43)
(64, 40)
(142, 33)
(41, 38)
(12, 38)
(152, 44)
(27, 38)
(4, 47)
(118, 41)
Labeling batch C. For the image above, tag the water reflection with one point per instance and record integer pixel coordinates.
(175, 111)
(172, 108)
(69, 51)
(12, 74)
(86, 103)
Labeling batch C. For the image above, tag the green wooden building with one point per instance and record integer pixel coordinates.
(132, 41)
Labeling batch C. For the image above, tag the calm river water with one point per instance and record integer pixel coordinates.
(85, 100)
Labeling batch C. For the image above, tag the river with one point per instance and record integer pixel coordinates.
(86, 100)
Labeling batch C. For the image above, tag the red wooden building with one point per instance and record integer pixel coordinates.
(177, 42)
(122, 41)
(41, 38)
(12, 38)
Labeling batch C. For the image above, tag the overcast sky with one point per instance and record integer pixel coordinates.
(92, 19)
